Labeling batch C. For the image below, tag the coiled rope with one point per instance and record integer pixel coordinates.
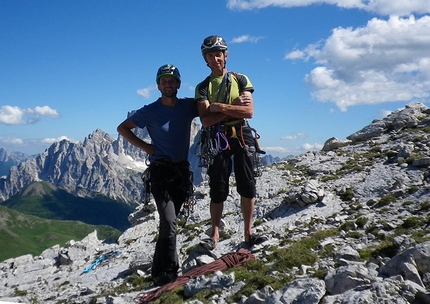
(233, 259)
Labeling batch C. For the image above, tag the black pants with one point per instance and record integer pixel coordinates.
(170, 185)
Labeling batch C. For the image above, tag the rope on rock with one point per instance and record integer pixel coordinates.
(233, 259)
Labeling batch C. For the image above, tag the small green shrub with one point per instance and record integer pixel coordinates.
(425, 206)
(361, 221)
(386, 200)
(391, 154)
(19, 293)
(327, 178)
(384, 249)
(347, 194)
(347, 226)
(413, 222)
(320, 274)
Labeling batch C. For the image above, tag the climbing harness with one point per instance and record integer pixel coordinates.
(188, 205)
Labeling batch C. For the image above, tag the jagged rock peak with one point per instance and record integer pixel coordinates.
(98, 135)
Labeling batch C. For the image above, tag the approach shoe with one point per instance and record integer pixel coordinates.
(165, 278)
(208, 244)
(256, 239)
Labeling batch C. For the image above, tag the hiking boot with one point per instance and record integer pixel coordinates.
(165, 278)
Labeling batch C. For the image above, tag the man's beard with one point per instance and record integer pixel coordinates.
(170, 94)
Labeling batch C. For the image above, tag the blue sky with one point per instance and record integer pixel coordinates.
(320, 69)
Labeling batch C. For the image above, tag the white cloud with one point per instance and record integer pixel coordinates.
(402, 8)
(12, 141)
(44, 111)
(30, 145)
(384, 113)
(292, 150)
(297, 54)
(10, 115)
(276, 149)
(146, 92)
(295, 136)
(246, 38)
(385, 61)
(308, 146)
(382, 7)
(53, 140)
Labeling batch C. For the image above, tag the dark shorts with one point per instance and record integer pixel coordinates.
(239, 157)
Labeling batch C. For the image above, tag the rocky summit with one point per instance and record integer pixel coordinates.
(347, 224)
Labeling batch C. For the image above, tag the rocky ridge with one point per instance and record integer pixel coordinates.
(367, 199)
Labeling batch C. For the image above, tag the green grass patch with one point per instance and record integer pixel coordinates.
(25, 234)
(45, 201)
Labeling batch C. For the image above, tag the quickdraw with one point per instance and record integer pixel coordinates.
(212, 141)
(188, 206)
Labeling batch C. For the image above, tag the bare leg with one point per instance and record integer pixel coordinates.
(247, 206)
(216, 214)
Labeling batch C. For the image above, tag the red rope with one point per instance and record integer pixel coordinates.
(229, 260)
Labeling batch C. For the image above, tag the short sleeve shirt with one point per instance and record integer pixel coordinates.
(168, 127)
(214, 89)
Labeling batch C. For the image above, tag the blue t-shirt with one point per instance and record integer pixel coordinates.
(168, 127)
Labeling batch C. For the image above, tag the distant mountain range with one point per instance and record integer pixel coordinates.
(10, 159)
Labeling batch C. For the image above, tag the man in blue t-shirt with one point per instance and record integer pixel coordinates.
(168, 121)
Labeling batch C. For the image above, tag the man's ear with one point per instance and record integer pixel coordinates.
(179, 85)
